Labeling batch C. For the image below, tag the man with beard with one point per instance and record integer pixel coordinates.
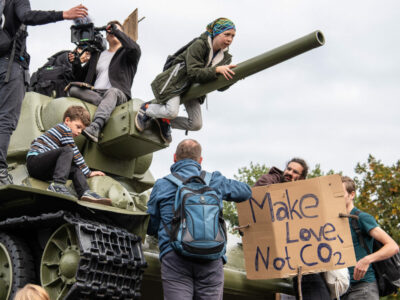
(296, 169)
(313, 286)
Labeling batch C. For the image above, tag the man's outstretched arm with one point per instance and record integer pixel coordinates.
(39, 17)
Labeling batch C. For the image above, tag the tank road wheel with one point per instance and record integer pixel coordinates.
(16, 266)
(60, 262)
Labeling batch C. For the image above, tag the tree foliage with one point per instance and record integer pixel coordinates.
(379, 193)
(317, 172)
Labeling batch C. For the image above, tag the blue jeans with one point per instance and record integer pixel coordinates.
(185, 279)
(11, 95)
(362, 291)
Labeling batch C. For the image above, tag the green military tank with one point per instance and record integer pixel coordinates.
(82, 250)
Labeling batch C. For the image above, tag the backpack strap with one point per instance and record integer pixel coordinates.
(175, 178)
(357, 229)
(179, 180)
(166, 229)
(21, 30)
(206, 177)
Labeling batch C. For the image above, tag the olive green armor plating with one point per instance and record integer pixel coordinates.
(82, 250)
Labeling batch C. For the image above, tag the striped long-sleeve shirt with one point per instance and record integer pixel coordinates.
(57, 137)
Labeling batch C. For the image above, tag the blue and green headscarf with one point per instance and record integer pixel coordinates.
(218, 26)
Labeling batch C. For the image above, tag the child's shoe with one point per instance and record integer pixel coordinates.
(59, 188)
(165, 130)
(141, 119)
(90, 196)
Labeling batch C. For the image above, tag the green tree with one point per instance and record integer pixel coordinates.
(379, 193)
(317, 172)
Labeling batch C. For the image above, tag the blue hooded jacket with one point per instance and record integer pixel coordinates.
(160, 205)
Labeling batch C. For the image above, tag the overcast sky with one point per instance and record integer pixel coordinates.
(333, 105)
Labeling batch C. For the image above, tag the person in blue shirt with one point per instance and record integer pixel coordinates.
(363, 285)
(183, 277)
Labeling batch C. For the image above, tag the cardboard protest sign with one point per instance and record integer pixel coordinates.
(296, 224)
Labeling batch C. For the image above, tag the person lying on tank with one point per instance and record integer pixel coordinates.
(111, 72)
(54, 156)
(205, 58)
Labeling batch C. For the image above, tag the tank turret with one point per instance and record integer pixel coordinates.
(82, 250)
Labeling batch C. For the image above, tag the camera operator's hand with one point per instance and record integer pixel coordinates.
(85, 57)
(111, 28)
(71, 57)
(76, 12)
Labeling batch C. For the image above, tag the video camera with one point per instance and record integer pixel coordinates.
(88, 38)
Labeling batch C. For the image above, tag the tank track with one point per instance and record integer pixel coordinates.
(111, 262)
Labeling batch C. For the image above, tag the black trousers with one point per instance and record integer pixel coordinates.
(57, 165)
(313, 287)
(11, 96)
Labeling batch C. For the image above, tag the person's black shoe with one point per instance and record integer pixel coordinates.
(59, 188)
(141, 119)
(90, 196)
(92, 133)
(165, 130)
(5, 177)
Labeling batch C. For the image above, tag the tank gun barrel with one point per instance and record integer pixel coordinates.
(258, 63)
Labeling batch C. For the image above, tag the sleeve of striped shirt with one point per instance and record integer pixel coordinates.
(67, 140)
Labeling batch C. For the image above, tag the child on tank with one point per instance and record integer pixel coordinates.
(201, 62)
(54, 156)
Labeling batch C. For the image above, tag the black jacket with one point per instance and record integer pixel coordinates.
(17, 12)
(122, 68)
(274, 176)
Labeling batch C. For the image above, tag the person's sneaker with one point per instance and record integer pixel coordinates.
(165, 130)
(5, 177)
(90, 196)
(141, 119)
(59, 188)
(92, 133)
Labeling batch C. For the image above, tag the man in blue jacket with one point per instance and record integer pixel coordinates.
(182, 277)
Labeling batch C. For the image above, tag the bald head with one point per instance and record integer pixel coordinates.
(188, 149)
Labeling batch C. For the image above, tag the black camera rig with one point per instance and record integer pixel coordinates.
(88, 38)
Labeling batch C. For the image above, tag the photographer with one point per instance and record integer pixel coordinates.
(14, 63)
(111, 72)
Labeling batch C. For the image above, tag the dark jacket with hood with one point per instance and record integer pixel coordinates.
(197, 64)
(274, 176)
(17, 12)
(122, 69)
